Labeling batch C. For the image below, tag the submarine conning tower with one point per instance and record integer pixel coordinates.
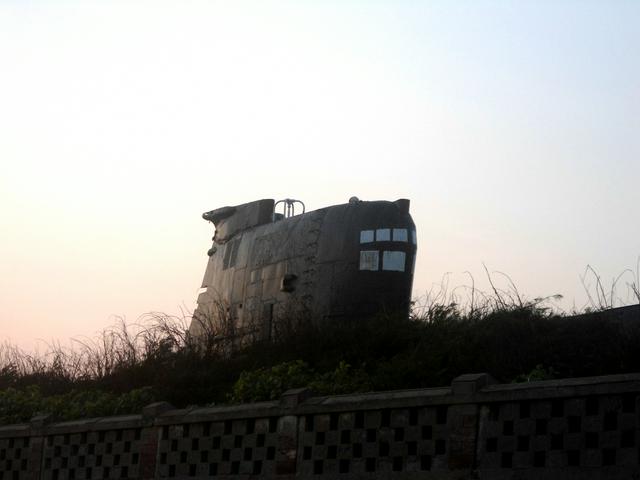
(350, 260)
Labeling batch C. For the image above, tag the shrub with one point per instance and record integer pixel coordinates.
(270, 383)
(129, 366)
(20, 405)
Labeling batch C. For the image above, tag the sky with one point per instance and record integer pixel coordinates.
(513, 128)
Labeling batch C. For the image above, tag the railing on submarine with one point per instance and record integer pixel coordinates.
(288, 208)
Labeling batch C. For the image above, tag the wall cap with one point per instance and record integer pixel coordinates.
(470, 383)
(294, 397)
(155, 409)
(40, 420)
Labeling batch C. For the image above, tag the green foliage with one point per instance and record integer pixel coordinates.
(537, 374)
(344, 379)
(512, 341)
(270, 383)
(19, 405)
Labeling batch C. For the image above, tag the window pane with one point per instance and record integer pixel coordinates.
(369, 260)
(400, 235)
(383, 235)
(413, 237)
(393, 261)
(366, 236)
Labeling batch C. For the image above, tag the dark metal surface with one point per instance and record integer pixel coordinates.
(353, 259)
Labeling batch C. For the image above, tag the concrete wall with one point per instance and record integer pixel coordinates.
(576, 428)
(630, 313)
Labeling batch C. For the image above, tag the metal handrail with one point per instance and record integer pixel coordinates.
(289, 208)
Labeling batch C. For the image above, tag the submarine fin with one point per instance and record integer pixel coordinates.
(218, 214)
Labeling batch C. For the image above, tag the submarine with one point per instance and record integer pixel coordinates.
(268, 268)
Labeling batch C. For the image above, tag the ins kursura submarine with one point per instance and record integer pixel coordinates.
(264, 268)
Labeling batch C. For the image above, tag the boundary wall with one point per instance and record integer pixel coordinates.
(583, 428)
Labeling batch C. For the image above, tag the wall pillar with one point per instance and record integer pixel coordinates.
(463, 420)
(150, 437)
(287, 450)
(36, 445)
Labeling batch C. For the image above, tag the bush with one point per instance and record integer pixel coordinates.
(128, 367)
(270, 383)
(20, 405)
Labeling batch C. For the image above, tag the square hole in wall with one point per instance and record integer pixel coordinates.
(591, 406)
(492, 444)
(506, 460)
(574, 423)
(628, 438)
(573, 458)
(591, 440)
(523, 443)
(608, 457)
(539, 459)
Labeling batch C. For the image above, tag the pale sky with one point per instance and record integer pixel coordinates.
(513, 128)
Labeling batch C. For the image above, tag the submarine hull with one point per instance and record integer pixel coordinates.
(348, 260)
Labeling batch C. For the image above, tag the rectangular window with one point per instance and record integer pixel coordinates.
(369, 260)
(393, 261)
(227, 255)
(234, 253)
(231, 254)
(366, 236)
(413, 237)
(383, 235)
(255, 275)
(400, 235)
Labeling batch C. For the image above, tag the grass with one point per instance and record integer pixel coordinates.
(129, 366)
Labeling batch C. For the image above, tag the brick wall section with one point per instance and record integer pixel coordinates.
(576, 428)
(586, 426)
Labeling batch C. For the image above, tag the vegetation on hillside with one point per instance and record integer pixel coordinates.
(130, 366)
